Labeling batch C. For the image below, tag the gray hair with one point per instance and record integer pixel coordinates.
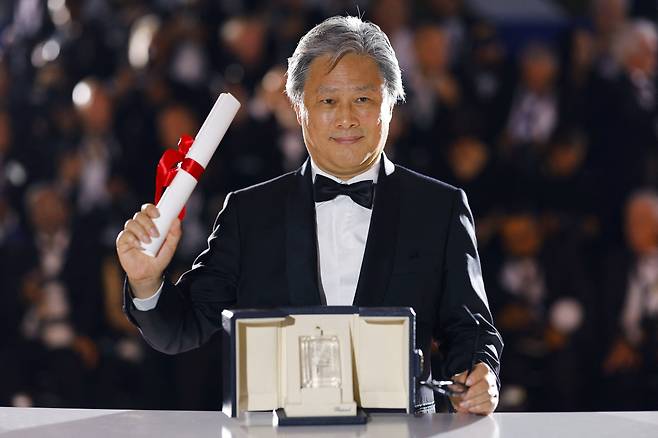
(338, 36)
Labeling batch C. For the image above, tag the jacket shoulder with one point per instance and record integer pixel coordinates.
(266, 190)
(412, 179)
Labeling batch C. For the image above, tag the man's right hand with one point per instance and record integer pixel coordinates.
(145, 272)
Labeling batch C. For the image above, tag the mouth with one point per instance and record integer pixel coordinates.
(347, 140)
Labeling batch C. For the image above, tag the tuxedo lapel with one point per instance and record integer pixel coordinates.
(382, 237)
(301, 241)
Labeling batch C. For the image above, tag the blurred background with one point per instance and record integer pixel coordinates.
(543, 111)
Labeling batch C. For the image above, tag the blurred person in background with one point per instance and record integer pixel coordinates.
(12, 238)
(55, 359)
(244, 40)
(566, 186)
(540, 291)
(534, 112)
(469, 166)
(455, 19)
(631, 310)
(179, 57)
(578, 58)
(394, 17)
(434, 97)
(625, 138)
(485, 75)
(271, 107)
(90, 37)
(636, 50)
(130, 373)
(608, 17)
(98, 150)
(288, 20)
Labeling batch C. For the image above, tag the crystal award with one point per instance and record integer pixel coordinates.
(320, 361)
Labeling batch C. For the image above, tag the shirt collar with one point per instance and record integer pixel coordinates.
(371, 174)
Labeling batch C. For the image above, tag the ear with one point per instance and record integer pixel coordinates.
(298, 113)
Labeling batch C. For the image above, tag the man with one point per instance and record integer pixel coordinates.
(631, 304)
(623, 124)
(349, 227)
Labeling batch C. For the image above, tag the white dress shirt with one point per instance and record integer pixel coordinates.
(342, 231)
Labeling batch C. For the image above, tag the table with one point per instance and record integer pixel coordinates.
(100, 423)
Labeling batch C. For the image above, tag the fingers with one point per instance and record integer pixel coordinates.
(142, 225)
(170, 243)
(486, 407)
(482, 399)
(482, 395)
(456, 400)
(150, 210)
(458, 408)
(478, 399)
(461, 377)
(477, 373)
(147, 223)
(139, 229)
(127, 239)
(479, 394)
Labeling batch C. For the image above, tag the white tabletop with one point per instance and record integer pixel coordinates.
(98, 423)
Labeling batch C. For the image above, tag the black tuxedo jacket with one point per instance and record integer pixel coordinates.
(420, 252)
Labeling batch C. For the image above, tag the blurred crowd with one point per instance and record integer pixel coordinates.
(555, 142)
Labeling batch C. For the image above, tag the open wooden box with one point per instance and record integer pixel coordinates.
(320, 364)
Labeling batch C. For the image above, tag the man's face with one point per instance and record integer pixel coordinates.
(345, 115)
(539, 72)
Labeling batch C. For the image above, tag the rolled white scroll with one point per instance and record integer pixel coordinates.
(205, 144)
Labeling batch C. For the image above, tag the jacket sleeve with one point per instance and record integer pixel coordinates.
(188, 313)
(463, 285)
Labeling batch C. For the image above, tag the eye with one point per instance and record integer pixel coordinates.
(362, 99)
(327, 101)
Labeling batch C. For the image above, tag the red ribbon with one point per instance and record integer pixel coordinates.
(170, 162)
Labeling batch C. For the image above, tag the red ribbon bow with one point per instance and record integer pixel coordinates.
(170, 162)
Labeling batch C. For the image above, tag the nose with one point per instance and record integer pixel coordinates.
(346, 116)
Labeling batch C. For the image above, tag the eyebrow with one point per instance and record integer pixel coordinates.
(325, 89)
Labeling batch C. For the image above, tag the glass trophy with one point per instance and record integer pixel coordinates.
(320, 361)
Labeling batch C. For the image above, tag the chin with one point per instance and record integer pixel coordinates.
(343, 163)
(343, 170)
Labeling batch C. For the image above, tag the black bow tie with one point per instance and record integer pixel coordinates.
(326, 189)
